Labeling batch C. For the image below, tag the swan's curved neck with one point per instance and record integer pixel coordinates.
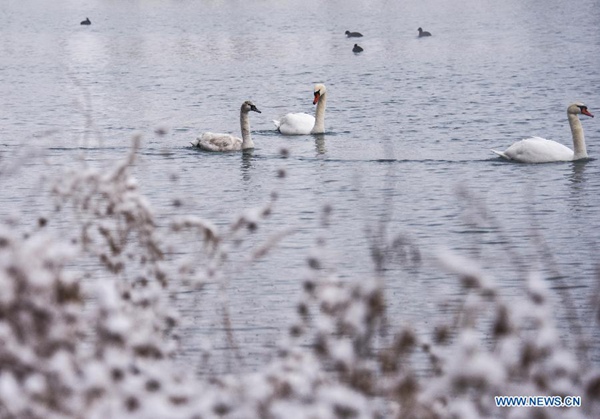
(246, 136)
(319, 127)
(578, 139)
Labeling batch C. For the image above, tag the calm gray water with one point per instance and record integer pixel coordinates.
(410, 124)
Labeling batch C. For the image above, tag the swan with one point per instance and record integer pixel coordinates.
(353, 34)
(540, 150)
(423, 33)
(210, 141)
(86, 21)
(302, 123)
(357, 48)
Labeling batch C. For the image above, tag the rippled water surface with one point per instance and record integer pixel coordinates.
(410, 123)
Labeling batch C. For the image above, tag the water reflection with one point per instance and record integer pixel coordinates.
(247, 164)
(320, 143)
(577, 180)
(577, 177)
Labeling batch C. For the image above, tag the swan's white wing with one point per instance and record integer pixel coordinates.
(218, 142)
(295, 124)
(537, 150)
(501, 154)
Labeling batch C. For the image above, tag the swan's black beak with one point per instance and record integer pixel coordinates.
(317, 97)
(255, 109)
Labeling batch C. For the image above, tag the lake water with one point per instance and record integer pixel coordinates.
(409, 127)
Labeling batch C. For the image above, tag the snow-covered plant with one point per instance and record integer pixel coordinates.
(116, 226)
(501, 347)
(39, 327)
(99, 339)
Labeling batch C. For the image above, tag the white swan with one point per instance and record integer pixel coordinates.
(302, 123)
(210, 141)
(540, 150)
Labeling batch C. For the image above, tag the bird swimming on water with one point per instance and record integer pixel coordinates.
(357, 48)
(298, 123)
(353, 34)
(540, 150)
(210, 141)
(423, 33)
(86, 21)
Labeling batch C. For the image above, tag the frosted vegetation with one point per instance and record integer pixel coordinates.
(104, 343)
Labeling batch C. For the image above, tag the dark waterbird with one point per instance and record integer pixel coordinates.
(353, 34)
(423, 33)
(86, 21)
(357, 48)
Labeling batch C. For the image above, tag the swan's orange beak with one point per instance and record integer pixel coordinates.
(586, 112)
(317, 96)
